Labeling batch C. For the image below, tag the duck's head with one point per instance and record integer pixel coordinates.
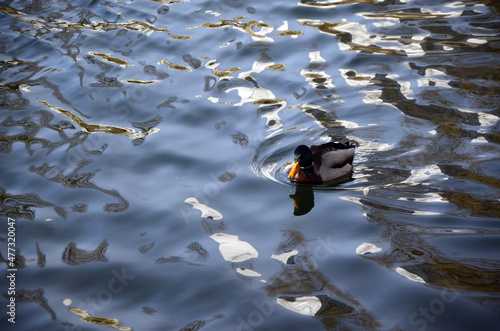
(302, 158)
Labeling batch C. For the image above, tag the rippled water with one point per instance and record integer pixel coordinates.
(144, 148)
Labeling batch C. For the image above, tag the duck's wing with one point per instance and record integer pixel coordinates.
(336, 163)
(323, 148)
(337, 158)
(333, 155)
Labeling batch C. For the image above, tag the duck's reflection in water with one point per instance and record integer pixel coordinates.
(303, 199)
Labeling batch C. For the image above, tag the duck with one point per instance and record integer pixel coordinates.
(321, 163)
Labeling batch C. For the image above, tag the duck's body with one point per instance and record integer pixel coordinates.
(321, 163)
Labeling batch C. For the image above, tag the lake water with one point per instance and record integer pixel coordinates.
(144, 149)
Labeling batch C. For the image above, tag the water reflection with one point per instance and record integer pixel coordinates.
(233, 249)
(174, 66)
(197, 325)
(298, 279)
(33, 296)
(23, 205)
(307, 305)
(108, 58)
(303, 199)
(75, 256)
(246, 27)
(206, 212)
(413, 255)
(355, 37)
(41, 259)
(250, 92)
(110, 322)
(76, 179)
(195, 255)
(89, 128)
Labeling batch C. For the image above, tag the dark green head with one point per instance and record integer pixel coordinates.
(303, 156)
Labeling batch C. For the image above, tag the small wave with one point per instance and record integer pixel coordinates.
(272, 165)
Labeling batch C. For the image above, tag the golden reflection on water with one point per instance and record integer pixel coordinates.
(89, 128)
(140, 81)
(173, 66)
(55, 25)
(107, 57)
(177, 37)
(212, 65)
(247, 27)
(110, 322)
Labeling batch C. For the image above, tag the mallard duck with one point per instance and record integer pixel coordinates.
(321, 163)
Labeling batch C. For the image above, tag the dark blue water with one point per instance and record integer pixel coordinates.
(144, 148)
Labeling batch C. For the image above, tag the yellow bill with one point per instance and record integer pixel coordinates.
(295, 169)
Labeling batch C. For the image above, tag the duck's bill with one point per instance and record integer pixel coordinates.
(295, 169)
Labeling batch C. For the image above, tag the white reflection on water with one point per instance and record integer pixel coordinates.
(214, 13)
(206, 212)
(285, 256)
(257, 67)
(356, 79)
(258, 95)
(251, 94)
(433, 82)
(479, 140)
(370, 145)
(362, 37)
(267, 171)
(485, 119)
(366, 248)
(426, 213)
(362, 40)
(409, 275)
(427, 197)
(374, 95)
(306, 305)
(316, 57)
(317, 79)
(420, 175)
(351, 199)
(233, 249)
(248, 272)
